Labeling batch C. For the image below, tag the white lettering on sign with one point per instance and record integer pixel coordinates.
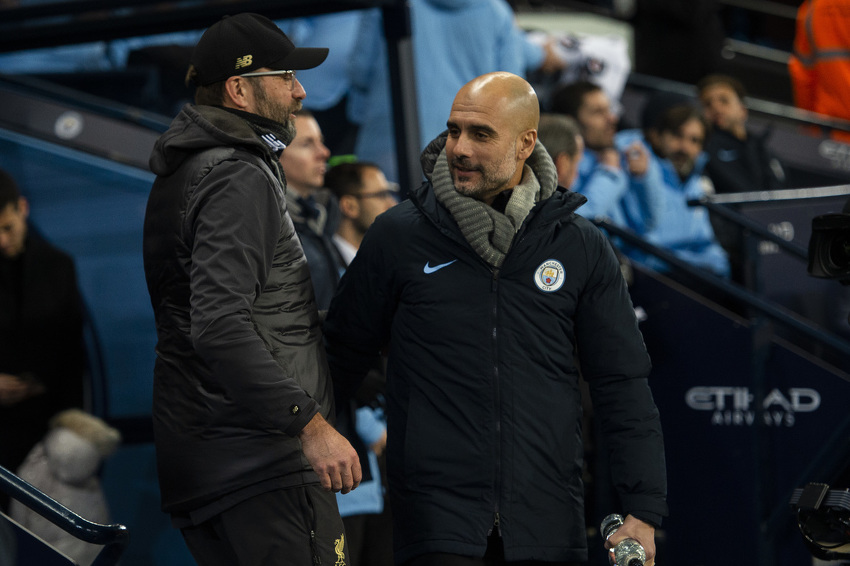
(733, 406)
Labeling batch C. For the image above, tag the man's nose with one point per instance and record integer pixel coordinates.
(298, 92)
(462, 146)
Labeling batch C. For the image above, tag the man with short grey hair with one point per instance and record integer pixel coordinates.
(561, 137)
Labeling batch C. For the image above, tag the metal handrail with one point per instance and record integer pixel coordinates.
(114, 538)
(756, 106)
(766, 307)
(35, 87)
(715, 203)
(764, 7)
(750, 226)
(781, 195)
(25, 33)
(67, 9)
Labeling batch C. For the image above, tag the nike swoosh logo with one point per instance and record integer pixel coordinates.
(429, 269)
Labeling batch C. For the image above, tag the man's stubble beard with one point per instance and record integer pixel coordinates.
(276, 112)
(684, 166)
(490, 183)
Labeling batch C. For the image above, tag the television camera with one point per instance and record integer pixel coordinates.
(823, 517)
(829, 246)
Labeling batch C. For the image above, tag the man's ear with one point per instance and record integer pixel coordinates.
(349, 206)
(23, 207)
(563, 163)
(238, 93)
(525, 147)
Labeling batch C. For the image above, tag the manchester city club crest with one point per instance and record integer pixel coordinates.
(549, 277)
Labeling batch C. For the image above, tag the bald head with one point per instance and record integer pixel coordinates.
(492, 131)
(504, 92)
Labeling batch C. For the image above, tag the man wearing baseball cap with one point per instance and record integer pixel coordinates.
(247, 459)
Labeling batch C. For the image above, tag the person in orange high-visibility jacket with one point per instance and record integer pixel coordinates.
(820, 64)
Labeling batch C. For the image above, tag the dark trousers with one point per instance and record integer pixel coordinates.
(291, 527)
(370, 539)
(494, 556)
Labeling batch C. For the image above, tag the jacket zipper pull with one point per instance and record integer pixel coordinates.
(496, 525)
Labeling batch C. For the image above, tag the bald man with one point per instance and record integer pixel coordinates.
(489, 293)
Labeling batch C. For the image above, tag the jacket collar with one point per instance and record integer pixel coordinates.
(323, 218)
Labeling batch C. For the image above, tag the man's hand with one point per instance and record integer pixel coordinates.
(331, 455)
(609, 157)
(637, 158)
(380, 444)
(635, 529)
(552, 62)
(14, 389)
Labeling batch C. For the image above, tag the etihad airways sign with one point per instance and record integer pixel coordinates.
(734, 406)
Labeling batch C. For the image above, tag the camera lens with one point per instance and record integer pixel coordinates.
(839, 253)
(829, 246)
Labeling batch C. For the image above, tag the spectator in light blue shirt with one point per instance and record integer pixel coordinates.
(616, 173)
(677, 138)
(454, 41)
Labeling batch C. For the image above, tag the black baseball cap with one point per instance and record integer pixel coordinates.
(243, 43)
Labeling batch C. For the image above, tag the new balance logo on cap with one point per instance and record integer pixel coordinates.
(244, 61)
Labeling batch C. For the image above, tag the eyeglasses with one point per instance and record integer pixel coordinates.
(385, 194)
(287, 76)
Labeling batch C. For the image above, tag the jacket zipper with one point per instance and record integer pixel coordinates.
(314, 547)
(498, 407)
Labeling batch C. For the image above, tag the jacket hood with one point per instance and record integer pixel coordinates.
(197, 128)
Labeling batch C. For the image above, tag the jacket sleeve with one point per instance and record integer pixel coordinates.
(366, 66)
(70, 390)
(604, 188)
(643, 202)
(615, 364)
(370, 426)
(235, 226)
(803, 83)
(648, 191)
(512, 49)
(358, 322)
(533, 54)
(802, 74)
(52, 348)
